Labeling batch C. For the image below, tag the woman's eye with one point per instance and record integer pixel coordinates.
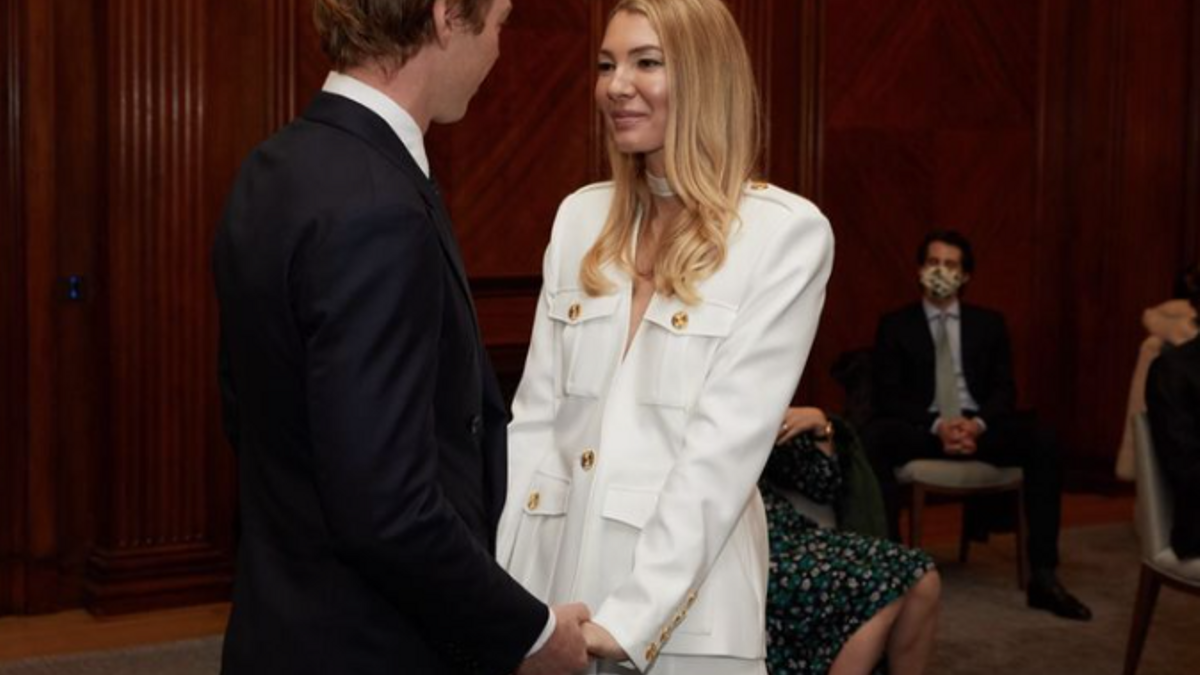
(605, 66)
(649, 63)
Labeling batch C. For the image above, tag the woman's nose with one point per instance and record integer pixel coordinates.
(619, 85)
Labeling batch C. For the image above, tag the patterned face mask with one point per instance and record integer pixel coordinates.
(941, 282)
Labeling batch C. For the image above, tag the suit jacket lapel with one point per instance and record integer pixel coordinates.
(437, 210)
(354, 118)
(922, 336)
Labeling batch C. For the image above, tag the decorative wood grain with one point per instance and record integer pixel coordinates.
(154, 525)
(38, 115)
(1191, 179)
(281, 66)
(929, 123)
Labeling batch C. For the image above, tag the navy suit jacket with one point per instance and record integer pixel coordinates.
(369, 428)
(903, 364)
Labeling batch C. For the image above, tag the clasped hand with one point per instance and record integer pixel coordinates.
(959, 435)
(574, 643)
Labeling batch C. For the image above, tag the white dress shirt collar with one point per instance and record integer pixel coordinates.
(381, 104)
(932, 311)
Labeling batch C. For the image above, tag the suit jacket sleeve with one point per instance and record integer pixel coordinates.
(892, 393)
(1173, 405)
(368, 294)
(229, 414)
(1000, 399)
(728, 438)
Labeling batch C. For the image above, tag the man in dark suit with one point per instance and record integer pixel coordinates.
(1173, 405)
(369, 427)
(943, 388)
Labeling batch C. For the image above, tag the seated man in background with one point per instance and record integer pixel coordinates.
(943, 389)
(1173, 405)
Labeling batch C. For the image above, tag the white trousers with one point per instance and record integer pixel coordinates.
(671, 664)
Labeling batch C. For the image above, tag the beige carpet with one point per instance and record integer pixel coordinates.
(985, 628)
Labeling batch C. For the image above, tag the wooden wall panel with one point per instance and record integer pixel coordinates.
(281, 33)
(1115, 204)
(156, 536)
(526, 143)
(39, 115)
(1055, 135)
(930, 122)
(13, 344)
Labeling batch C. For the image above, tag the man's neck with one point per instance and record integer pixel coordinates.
(407, 85)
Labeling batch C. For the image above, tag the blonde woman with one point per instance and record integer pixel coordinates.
(679, 304)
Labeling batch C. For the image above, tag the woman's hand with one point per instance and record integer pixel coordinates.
(600, 643)
(797, 421)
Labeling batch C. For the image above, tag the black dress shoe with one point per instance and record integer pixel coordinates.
(1052, 597)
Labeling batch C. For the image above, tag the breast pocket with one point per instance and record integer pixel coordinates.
(679, 343)
(589, 341)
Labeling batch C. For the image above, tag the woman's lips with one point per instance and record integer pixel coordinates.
(627, 120)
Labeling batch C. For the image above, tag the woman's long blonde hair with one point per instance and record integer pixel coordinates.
(711, 149)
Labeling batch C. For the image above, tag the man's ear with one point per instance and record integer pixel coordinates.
(445, 18)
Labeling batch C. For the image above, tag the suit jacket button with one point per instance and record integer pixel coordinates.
(680, 321)
(476, 425)
(535, 498)
(588, 460)
(574, 311)
(652, 651)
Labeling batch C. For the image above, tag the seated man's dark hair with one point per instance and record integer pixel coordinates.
(953, 238)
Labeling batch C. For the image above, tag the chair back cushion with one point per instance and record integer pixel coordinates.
(1154, 512)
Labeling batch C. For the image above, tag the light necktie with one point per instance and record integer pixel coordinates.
(947, 381)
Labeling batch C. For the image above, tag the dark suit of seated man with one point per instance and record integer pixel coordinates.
(1173, 404)
(943, 389)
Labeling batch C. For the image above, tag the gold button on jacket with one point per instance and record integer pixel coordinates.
(534, 499)
(588, 460)
(680, 320)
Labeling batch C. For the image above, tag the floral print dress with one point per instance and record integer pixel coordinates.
(824, 584)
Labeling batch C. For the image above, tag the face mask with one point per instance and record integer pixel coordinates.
(941, 282)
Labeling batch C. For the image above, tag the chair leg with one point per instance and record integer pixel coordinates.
(1143, 610)
(1022, 540)
(914, 515)
(964, 540)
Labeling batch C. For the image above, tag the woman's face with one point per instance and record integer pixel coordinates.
(632, 88)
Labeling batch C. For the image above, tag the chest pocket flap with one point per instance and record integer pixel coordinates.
(679, 349)
(576, 307)
(589, 340)
(710, 318)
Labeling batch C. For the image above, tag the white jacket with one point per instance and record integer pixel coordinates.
(632, 483)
